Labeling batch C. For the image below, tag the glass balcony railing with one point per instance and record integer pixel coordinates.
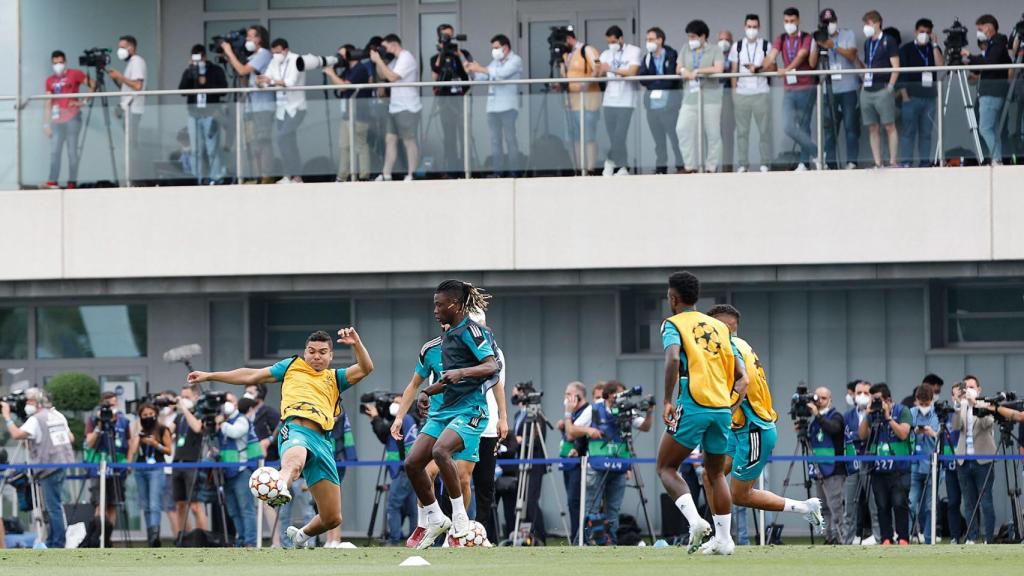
(528, 128)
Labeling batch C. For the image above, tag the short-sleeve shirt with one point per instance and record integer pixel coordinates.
(69, 83)
(580, 65)
(428, 367)
(405, 98)
(262, 101)
(704, 57)
(621, 94)
(465, 346)
(31, 427)
(134, 70)
(914, 55)
(790, 47)
(877, 53)
(744, 53)
(845, 39)
(670, 337)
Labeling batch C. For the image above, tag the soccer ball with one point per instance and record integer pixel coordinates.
(476, 538)
(265, 483)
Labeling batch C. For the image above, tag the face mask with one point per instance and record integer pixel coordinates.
(833, 27)
(166, 410)
(277, 58)
(188, 404)
(724, 45)
(229, 408)
(922, 38)
(58, 69)
(122, 54)
(651, 47)
(147, 423)
(863, 400)
(694, 44)
(869, 31)
(250, 46)
(393, 409)
(197, 57)
(614, 48)
(982, 37)
(924, 410)
(752, 33)
(249, 395)
(790, 28)
(497, 53)
(971, 393)
(30, 409)
(849, 400)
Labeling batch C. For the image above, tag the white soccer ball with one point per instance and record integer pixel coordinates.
(265, 483)
(476, 537)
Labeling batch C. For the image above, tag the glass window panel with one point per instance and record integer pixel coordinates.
(428, 38)
(13, 333)
(282, 4)
(233, 5)
(279, 326)
(966, 330)
(307, 312)
(103, 331)
(986, 299)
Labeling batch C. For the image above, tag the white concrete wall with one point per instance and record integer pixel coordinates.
(894, 216)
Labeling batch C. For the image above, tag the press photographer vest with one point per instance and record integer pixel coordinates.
(821, 445)
(759, 398)
(854, 445)
(346, 450)
(313, 395)
(580, 444)
(102, 449)
(887, 444)
(230, 451)
(54, 443)
(392, 451)
(707, 365)
(610, 444)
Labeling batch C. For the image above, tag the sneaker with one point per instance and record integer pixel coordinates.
(609, 168)
(869, 541)
(416, 537)
(432, 531)
(741, 169)
(814, 517)
(408, 178)
(71, 185)
(266, 180)
(856, 541)
(285, 180)
(716, 547)
(904, 542)
(282, 498)
(763, 168)
(382, 178)
(801, 167)
(851, 166)
(699, 534)
(622, 171)
(52, 185)
(293, 535)
(460, 525)
(886, 542)
(970, 543)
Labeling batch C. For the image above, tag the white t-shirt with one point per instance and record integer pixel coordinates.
(134, 70)
(405, 99)
(586, 418)
(31, 427)
(747, 52)
(621, 94)
(491, 431)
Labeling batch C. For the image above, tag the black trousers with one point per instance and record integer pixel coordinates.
(483, 487)
(892, 496)
(662, 124)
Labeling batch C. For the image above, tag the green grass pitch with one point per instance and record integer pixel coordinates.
(748, 561)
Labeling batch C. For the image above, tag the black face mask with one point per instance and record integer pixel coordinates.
(148, 423)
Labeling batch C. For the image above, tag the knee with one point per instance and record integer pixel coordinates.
(440, 454)
(331, 520)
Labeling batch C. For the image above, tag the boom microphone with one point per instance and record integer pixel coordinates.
(183, 353)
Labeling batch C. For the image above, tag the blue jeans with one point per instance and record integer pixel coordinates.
(975, 483)
(848, 111)
(571, 477)
(301, 501)
(65, 134)
(53, 486)
(204, 133)
(989, 109)
(798, 112)
(610, 488)
(916, 122)
(151, 493)
(953, 502)
(739, 515)
(503, 129)
(401, 502)
(921, 501)
(242, 508)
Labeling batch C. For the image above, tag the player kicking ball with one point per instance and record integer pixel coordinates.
(752, 440)
(310, 402)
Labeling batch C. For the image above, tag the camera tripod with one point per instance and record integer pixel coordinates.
(101, 86)
(1007, 446)
(1017, 35)
(109, 452)
(533, 431)
(383, 486)
(638, 484)
(829, 101)
(215, 476)
(803, 449)
(960, 76)
(940, 444)
(41, 527)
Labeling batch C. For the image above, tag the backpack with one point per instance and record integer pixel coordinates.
(765, 48)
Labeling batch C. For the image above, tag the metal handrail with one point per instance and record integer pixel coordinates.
(522, 82)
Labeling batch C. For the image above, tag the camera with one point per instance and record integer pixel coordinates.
(157, 400)
(95, 58)
(821, 35)
(211, 403)
(17, 402)
(558, 45)
(381, 400)
(798, 409)
(1007, 399)
(105, 417)
(447, 43)
(526, 394)
(629, 405)
(236, 38)
(943, 409)
(314, 62)
(956, 40)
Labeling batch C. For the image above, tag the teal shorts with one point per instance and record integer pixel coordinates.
(468, 424)
(319, 452)
(750, 448)
(704, 427)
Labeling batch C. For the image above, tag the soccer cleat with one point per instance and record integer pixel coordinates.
(416, 537)
(453, 542)
(282, 498)
(716, 547)
(431, 533)
(814, 517)
(460, 525)
(699, 534)
(293, 535)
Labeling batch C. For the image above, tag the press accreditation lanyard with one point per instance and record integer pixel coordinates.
(873, 48)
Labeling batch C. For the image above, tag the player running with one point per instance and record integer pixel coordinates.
(310, 402)
(469, 361)
(701, 358)
(752, 440)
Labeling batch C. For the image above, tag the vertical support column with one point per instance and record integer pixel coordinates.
(128, 145)
(239, 127)
(940, 147)
(103, 503)
(583, 497)
(935, 493)
(700, 126)
(352, 103)
(583, 131)
(821, 126)
(465, 134)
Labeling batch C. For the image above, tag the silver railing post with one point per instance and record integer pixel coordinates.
(583, 131)
(239, 128)
(352, 138)
(465, 133)
(940, 136)
(128, 145)
(700, 127)
(821, 127)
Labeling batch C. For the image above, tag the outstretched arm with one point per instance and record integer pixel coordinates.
(364, 364)
(238, 376)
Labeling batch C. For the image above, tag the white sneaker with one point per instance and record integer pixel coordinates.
(763, 168)
(716, 547)
(856, 541)
(814, 517)
(283, 497)
(408, 178)
(869, 541)
(622, 171)
(609, 168)
(460, 525)
(699, 533)
(801, 167)
(433, 531)
(293, 535)
(851, 166)
(970, 543)
(741, 169)
(285, 180)
(382, 178)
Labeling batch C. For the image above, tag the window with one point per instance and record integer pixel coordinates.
(641, 314)
(13, 333)
(102, 331)
(279, 326)
(973, 315)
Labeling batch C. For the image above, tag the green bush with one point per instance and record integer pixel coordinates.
(78, 429)
(73, 392)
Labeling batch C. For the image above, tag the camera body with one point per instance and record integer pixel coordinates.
(526, 394)
(236, 38)
(157, 400)
(956, 40)
(629, 405)
(381, 400)
(821, 34)
(1002, 399)
(98, 58)
(105, 417)
(943, 409)
(447, 44)
(17, 402)
(558, 45)
(798, 409)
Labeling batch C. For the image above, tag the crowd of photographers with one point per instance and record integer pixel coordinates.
(897, 109)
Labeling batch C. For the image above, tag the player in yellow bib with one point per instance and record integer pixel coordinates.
(310, 402)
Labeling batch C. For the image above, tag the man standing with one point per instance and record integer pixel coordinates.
(185, 482)
(581, 61)
(992, 84)
(132, 80)
(919, 92)
(575, 426)
(450, 65)
(842, 55)
(62, 122)
(404, 106)
(696, 60)
(284, 72)
(925, 424)
(502, 105)
(401, 499)
(798, 53)
(203, 111)
(107, 437)
(728, 111)
(260, 105)
(354, 74)
(826, 433)
(238, 444)
(878, 98)
(662, 98)
(620, 60)
(976, 438)
(856, 496)
(887, 430)
(751, 94)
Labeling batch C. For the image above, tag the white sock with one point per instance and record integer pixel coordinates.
(688, 508)
(434, 513)
(421, 520)
(798, 506)
(301, 537)
(458, 506)
(723, 525)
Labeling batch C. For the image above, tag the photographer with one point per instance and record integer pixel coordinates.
(354, 73)
(61, 120)
(203, 109)
(502, 105)
(151, 442)
(107, 437)
(238, 443)
(917, 115)
(576, 433)
(933, 382)
(662, 98)
(842, 55)
(926, 433)
(854, 500)
(826, 434)
(283, 72)
(976, 438)
(887, 430)
(265, 419)
(448, 65)
(523, 395)
(699, 58)
(606, 481)
(260, 106)
(620, 60)
(49, 442)
(185, 482)
(401, 498)
(404, 106)
(751, 94)
(132, 80)
(992, 84)
(878, 96)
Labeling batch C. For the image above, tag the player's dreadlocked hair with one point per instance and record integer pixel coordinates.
(471, 298)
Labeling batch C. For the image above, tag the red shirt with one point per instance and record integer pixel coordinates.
(62, 109)
(789, 47)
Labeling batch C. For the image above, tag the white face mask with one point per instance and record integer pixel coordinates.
(922, 38)
(166, 411)
(790, 28)
(250, 46)
(229, 408)
(393, 409)
(724, 45)
(277, 58)
(924, 410)
(651, 47)
(188, 404)
(694, 44)
(497, 53)
(971, 393)
(869, 31)
(752, 33)
(249, 395)
(833, 27)
(863, 400)
(30, 409)
(197, 57)
(982, 37)
(849, 400)
(59, 68)
(614, 48)
(122, 54)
